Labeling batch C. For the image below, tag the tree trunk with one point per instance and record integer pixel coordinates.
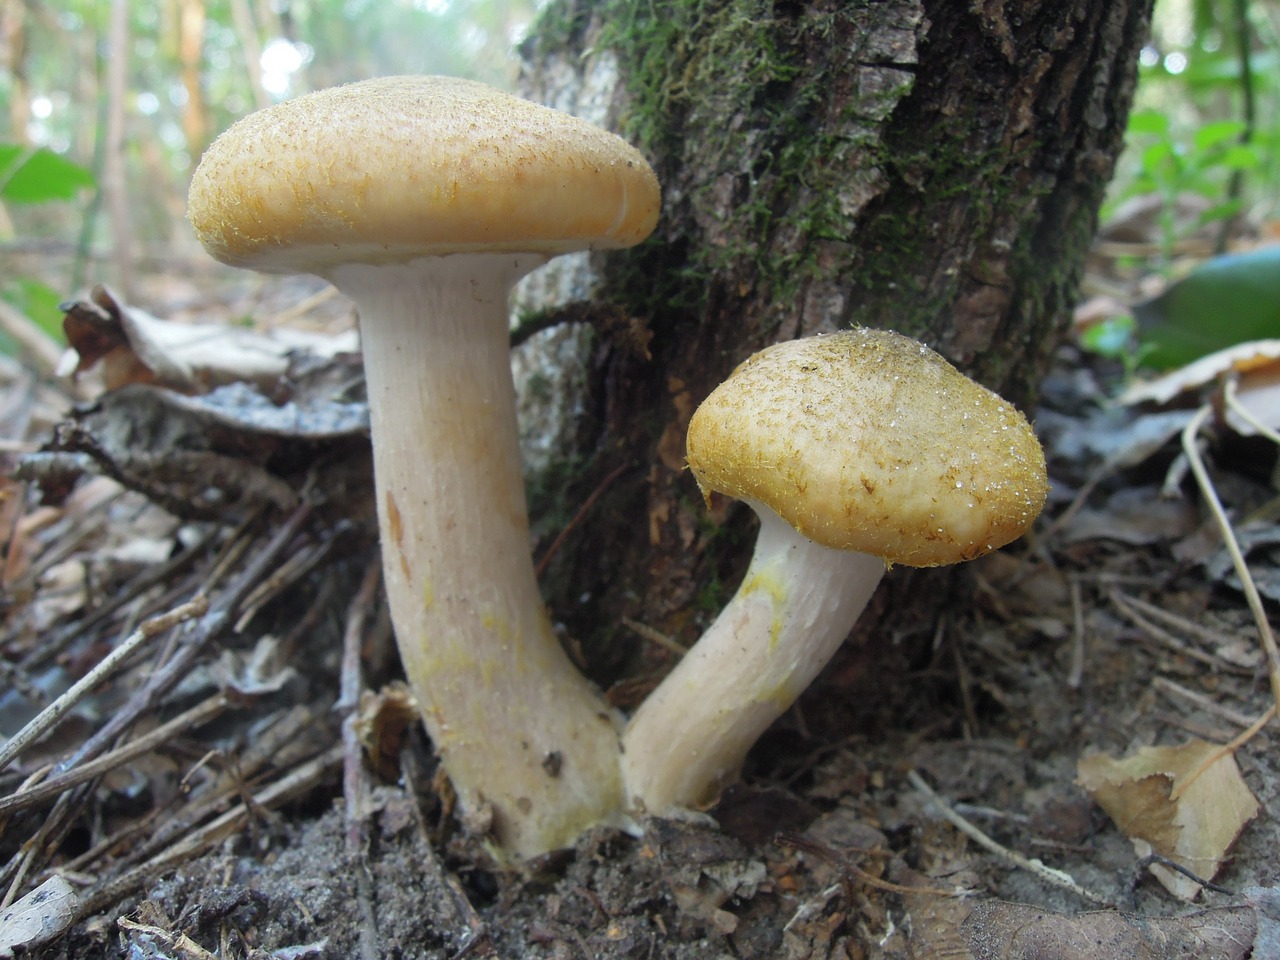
(931, 167)
(115, 175)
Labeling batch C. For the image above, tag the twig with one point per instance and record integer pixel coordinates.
(144, 837)
(1222, 751)
(1143, 865)
(1138, 611)
(1190, 447)
(655, 636)
(195, 635)
(1075, 676)
(200, 714)
(583, 510)
(1208, 704)
(475, 932)
(351, 684)
(1049, 875)
(304, 306)
(54, 827)
(52, 714)
(164, 573)
(355, 786)
(837, 858)
(1230, 395)
(293, 569)
(293, 784)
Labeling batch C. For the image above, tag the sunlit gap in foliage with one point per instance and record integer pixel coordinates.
(281, 59)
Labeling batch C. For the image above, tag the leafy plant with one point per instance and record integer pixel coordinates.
(34, 175)
(1115, 338)
(1170, 166)
(38, 175)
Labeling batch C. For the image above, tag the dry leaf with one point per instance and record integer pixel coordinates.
(38, 918)
(1256, 364)
(132, 346)
(1167, 802)
(382, 726)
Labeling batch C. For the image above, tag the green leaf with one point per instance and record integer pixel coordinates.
(1111, 338)
(38, 301)
(1225, 301)
(1220, 211)
(1160, 160)
(39, 175)
(1149, 122)
(1212, 134)
(1241, 157)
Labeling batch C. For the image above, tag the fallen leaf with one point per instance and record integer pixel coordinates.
(1136, 515)
(1168, 802)
(132, 346)
(1226, 300)
(38, 918)
(1240, 358)
(383, 722)
(1255, 365)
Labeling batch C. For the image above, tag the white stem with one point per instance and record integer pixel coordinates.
(795, 606)
(519, 730)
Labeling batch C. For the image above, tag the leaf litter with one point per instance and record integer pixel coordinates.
(208, 793)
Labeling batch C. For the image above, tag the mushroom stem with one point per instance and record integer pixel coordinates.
(795, 606)
(519, 730)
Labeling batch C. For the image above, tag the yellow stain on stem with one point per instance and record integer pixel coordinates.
(767, 582)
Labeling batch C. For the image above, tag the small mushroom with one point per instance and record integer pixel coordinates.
(857, 450)
(424, 199)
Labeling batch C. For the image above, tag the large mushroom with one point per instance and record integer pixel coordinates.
(424, 199)
(857, 450)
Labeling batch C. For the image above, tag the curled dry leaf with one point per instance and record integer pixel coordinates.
(383, 723)
(217, 455)
(132, 346)
(1255, 363)
(1168, 801)
(38, 918)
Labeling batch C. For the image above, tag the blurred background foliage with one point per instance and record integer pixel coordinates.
(109, 105)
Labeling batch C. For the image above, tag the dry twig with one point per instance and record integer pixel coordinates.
(355, 786)
(293, 784)
(1191, 447)
(1049, 875)
(200, 714)
(52, 714)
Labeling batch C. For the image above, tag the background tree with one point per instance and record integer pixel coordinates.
(926, 166)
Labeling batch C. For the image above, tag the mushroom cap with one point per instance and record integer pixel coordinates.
(867, 440)
(395, 168)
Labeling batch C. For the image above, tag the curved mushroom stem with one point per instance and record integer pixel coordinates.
(519, 730)
(793, 609)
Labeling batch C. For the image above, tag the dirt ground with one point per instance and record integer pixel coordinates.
(1117, 625)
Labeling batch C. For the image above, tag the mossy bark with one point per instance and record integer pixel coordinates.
(930, 167)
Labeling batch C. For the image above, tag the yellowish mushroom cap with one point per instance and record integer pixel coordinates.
(867, 440)
(397, 168)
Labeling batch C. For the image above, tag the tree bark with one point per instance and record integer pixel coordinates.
(931, 167)
(115, 183)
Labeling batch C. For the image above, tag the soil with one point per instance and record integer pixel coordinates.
(1114, 628)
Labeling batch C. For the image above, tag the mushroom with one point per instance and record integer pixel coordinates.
(857, 450)
(424, 199)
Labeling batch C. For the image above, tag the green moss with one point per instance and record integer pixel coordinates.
(746, 113)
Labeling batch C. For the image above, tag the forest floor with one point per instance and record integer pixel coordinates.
(252, 825)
